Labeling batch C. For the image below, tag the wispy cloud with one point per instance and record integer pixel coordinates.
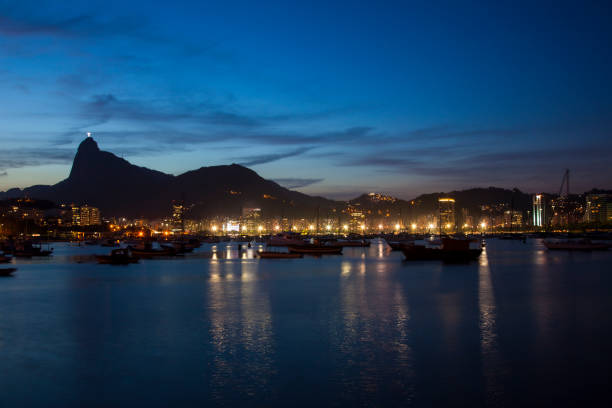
(16, 158)
(297, 182)
(268, 158)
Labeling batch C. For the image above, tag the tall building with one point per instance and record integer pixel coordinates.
(598, 208)
(178, 212)
(75, 212)
(89, 216)
(513, 218)
(538, 211)
(447, 213)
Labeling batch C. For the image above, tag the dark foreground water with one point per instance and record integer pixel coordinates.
(522, 326)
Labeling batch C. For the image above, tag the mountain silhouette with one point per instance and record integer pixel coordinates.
(119, 188)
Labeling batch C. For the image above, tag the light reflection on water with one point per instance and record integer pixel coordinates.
(366, 328)
(491, 359)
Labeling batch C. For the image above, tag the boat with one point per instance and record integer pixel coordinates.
(315, 249)
(7, 271)
(28, 250)
(398, 245)
(576, 245)
(147, 251)
(451, 250)
(285, 239)
(121, 256)
(178, 247)
(5, 259)
(110, 243)
(279, 255)
(350, 243)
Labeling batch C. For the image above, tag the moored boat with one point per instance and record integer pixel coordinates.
(147, 251)
(398, 245)
(285, 239)
(451, 250)
(350, 243)
(315, 249)
(279, 255)
(120, 256)
(29, 250)
(7, 271)
(5, 258)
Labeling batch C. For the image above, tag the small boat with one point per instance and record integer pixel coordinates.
(181, 247)
(398, 245)
(285, 239)
(4, 272)
(451, 250)
(315, 249)
(28, 250)
(576, 245)
(117, 257)
(5, 258)
(147, 251)
(350, 243)
(279, 255)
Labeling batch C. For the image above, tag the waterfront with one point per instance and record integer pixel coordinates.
(522, 326)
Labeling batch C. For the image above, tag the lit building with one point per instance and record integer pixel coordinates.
(447, 213)
(251, 220)
(178, 211)
(513, 218)
(598, 208)
(89, 216)
(76, 215)
(538, 210)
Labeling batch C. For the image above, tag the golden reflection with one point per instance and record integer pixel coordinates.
(374, 316)
(345, 268)
(241, 324)
(381, 249)
(488, 336)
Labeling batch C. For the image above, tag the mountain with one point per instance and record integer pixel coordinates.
(473, 199)
(379, 206)
(119, 188)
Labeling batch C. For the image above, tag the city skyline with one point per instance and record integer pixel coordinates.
(332, 100)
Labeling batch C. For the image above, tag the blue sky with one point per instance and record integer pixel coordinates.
(330, 98)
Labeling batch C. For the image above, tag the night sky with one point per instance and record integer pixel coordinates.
(330, 98)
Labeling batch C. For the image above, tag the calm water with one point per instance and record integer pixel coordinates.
(520, 327)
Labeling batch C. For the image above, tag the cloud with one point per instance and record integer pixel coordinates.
(268, 158)
(16, 158)
(77, 26)
(297, 182)
(104, 107)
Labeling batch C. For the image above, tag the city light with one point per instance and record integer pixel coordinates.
(380, 226)
(260, 228)
(363, 227)
(276, 228)
(397, 226)
(483, 225)
(448, 226)
(345, 227)
(414, 226)
(431, 226)
(311, 227)
(214, 228)
(328, 227)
